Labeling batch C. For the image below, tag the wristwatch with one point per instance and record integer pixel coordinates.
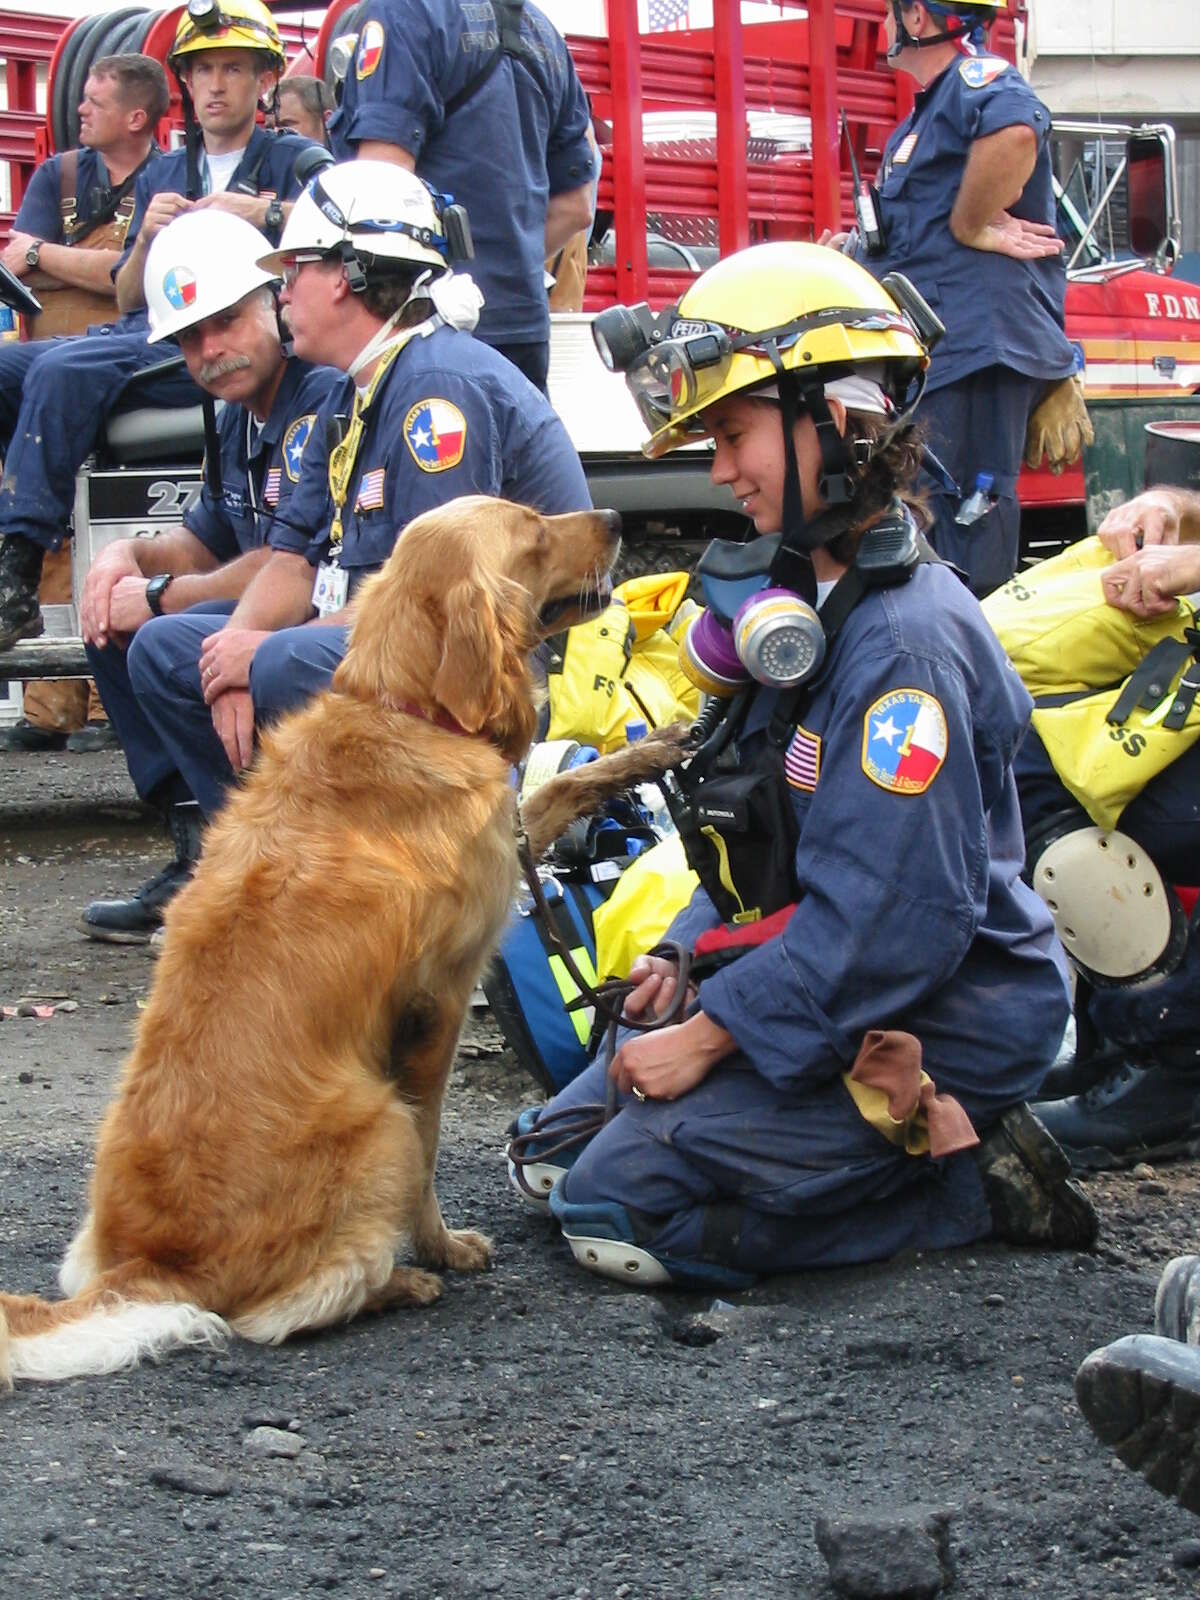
(33, 254)
(155, 590)
(274, 216)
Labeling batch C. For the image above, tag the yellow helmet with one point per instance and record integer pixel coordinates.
(769, 310)
(225, 25)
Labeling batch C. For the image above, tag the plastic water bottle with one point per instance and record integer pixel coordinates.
(8, 324)
(978, 503)
(650, 796)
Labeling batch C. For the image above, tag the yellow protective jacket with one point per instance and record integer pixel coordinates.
(1068, 643)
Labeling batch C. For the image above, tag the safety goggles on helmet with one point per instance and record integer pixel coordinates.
(676, 380)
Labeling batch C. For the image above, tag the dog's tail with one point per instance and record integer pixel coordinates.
(120, 1320)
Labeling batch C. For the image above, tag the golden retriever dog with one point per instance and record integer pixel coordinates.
(272, 1141)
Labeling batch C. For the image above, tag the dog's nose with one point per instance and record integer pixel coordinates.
(611, 521)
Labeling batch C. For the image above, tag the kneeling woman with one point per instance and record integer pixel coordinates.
(825, 1097)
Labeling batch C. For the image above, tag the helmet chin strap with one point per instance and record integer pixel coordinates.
(972, 35)
(792, 567)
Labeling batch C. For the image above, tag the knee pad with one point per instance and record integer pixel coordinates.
(1118, 921)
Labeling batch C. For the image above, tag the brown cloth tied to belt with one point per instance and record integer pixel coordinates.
(895, 1095)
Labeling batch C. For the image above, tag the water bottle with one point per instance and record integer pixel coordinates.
(8, 324)
(978, 503)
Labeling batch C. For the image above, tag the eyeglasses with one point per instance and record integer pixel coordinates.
(291, 266)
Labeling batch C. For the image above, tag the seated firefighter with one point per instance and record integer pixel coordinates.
(896, 992)
(230, 338)
(1108, 778)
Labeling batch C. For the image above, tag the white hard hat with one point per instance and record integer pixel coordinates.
(201, 263)
(372, 207)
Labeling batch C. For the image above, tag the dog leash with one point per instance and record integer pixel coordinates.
(577, 1124)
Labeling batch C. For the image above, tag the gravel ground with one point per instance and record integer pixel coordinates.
(538, 1431)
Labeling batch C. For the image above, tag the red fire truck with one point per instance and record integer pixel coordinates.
(712, 138)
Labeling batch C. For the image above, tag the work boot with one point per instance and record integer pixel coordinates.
(1141, 1397)
(24, 735)
(92, 738)
(1177, 1303)
(1134, 1114)
(1026, 1179)
(20, 574)
(132, 921)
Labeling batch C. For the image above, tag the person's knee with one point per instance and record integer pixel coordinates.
(152, 655)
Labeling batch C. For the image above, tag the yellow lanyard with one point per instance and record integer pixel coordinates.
(344, 456)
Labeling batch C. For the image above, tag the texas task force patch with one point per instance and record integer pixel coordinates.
(978, 71)
(436, 434)
(904, 741)
(294, 441)
(370, 50)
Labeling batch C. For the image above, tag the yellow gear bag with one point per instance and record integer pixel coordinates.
(623, 666)
(653, 888)
(1064, 638)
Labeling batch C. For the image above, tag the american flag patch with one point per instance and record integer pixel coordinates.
(370, 491)
(271, 487)
(802, 763)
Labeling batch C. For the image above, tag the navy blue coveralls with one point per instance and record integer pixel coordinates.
(41, 216)
(72, 385)
(1004, 318)
(259, 474)
(451, 417)
(912, 915)
(520, 138)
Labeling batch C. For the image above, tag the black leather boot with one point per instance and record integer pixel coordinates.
(20, 574)
(1136, 1113)
(132, 921)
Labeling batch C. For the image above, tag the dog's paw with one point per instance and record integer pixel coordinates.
(466, 1250)
(409, 1286)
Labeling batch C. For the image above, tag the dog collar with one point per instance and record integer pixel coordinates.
(441, 720)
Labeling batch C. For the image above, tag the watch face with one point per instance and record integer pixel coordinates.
(32, 254)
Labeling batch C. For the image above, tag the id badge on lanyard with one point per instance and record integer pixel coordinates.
(331, 588)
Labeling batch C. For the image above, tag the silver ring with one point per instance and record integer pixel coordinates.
(639, 1094)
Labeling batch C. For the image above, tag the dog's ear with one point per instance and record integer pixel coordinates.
(483, 678)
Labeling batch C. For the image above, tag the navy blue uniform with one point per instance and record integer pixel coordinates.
(1004, 318)
(41, 216)
(72, 385)
(259, 473)
(451, 417)
(912, 916)
(520, 138)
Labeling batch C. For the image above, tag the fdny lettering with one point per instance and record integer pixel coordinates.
(904, 741)
(979, 71)
(1171, 306)
(294, 441)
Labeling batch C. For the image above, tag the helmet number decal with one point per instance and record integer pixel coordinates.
(370, 50)
(904, 741)
(436, 434)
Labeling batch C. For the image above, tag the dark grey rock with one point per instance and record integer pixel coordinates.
(896, 1555)
(191, 1477)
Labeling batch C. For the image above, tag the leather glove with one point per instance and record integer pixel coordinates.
(1059, 427)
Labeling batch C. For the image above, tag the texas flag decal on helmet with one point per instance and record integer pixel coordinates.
(179, 287)
(904, 741)
(436, 432)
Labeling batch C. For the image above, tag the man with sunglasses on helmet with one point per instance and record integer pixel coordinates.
(965, 208)
(226, 60)
(228, 330)
(873, 990)
(483, 101)
(425, 413)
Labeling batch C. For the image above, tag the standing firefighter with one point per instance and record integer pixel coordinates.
(874, 981)
(965, 208)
